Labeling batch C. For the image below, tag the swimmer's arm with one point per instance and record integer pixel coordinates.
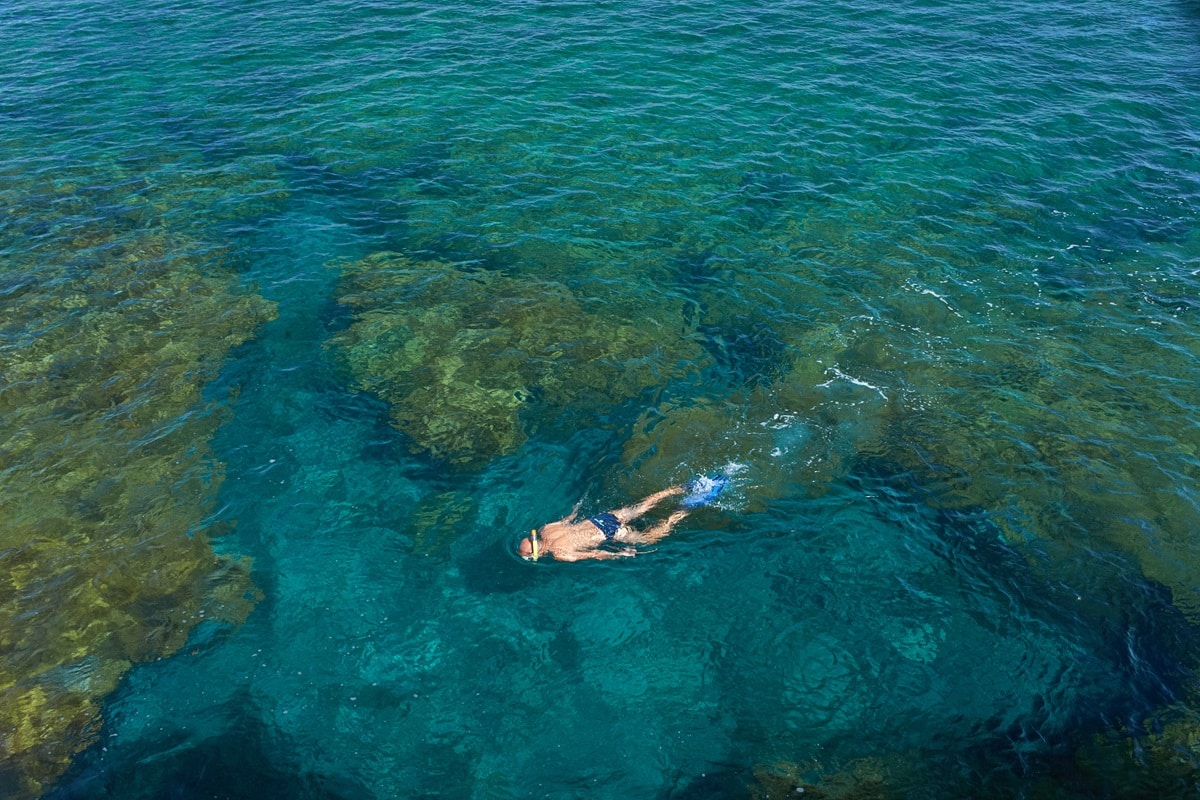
(571, 517)
(575, 511)
(605, 555)
(600, 555)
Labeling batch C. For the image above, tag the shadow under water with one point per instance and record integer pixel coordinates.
(235, 756)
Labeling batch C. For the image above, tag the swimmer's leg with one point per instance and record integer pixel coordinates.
(660, 530)
(639, 508)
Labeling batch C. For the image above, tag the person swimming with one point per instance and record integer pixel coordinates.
(568, 540)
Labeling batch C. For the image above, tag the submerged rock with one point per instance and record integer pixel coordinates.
(805, 428)
(459, 354)
(864, 779)
(106, 479)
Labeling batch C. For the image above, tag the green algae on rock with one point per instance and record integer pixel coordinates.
(106, 480)
(864, 779)
(1074, 432)
(804, 429)
(459, 353)
(1158, 759)
(1053, 404)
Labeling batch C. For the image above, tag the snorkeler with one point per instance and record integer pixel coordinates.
(568, 540)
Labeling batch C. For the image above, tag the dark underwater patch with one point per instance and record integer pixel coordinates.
(196, 131)
(751, 353)
(718, 784)
(496, 570)
(244, 761)
(424, 163)
(690, 272)
(762, 194)
(1131, 663)
(1140, 644)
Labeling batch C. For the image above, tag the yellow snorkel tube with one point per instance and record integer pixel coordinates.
(533, 540)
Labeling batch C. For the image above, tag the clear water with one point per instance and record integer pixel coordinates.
(940, 264)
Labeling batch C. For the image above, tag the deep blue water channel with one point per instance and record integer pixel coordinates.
(925, 276)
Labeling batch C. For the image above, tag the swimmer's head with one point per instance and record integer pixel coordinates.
(530, 547)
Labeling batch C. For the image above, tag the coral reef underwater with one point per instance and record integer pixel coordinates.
(112, 328)
(459, 353)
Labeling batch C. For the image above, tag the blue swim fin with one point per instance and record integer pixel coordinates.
(703, 490)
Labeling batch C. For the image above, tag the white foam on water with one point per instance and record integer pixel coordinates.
(839, 375)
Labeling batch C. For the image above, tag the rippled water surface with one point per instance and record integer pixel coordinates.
(310, 311)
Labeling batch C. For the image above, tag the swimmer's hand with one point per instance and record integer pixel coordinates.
(575, 511)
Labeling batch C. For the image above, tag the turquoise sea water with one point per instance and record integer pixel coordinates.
(926, 272)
